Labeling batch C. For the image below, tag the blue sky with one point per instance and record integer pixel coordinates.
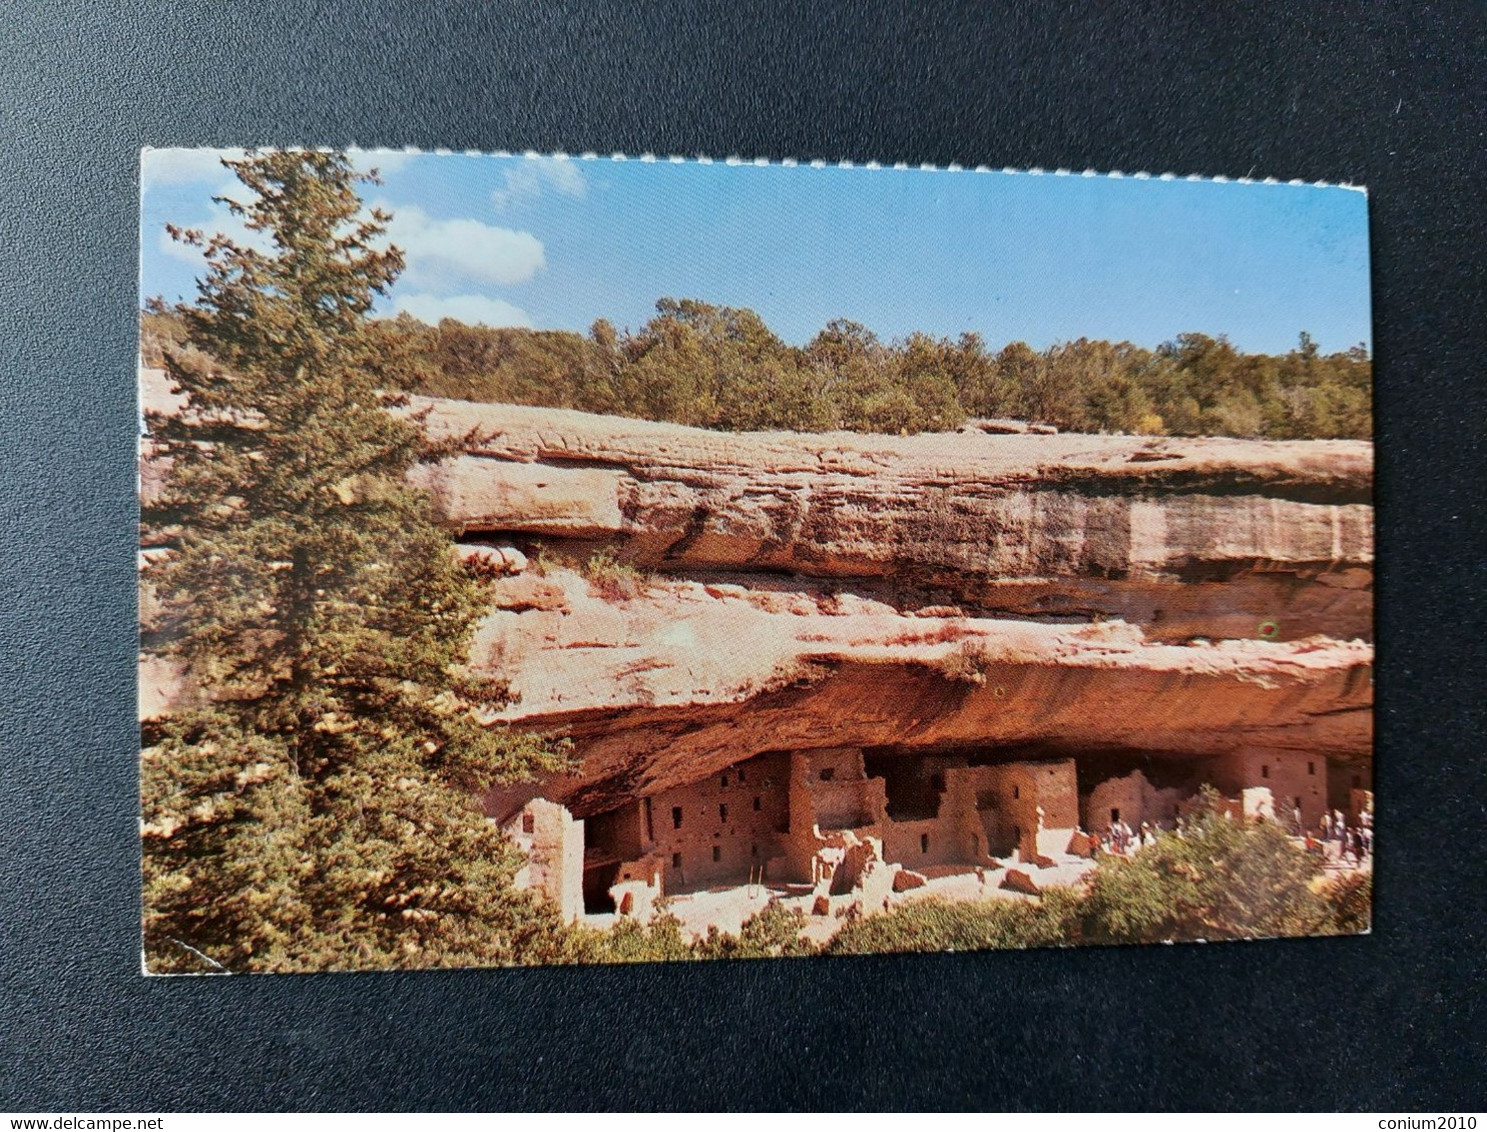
(557, 243)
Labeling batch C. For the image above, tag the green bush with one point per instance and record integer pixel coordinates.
(934, 924)
(1350, 898)
(1223, 879)
(630, 942)
(768, 934)
(614, 580)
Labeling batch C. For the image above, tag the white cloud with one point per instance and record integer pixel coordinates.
(462, 248)
(220, 221)
(526, 180)
(184, 166)
(180, 166)
(472, 310)
(382, 160)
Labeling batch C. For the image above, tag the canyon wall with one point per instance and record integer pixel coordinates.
(1188, 538)
(1104, 598)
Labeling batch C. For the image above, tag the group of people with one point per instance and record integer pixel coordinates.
(1355, 841)
(1119, 837)
(1339, 840)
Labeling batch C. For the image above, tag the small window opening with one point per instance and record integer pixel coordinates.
(717, 852)
(676, 860)
(1114, 816)
(1311, 768)
(676, 817)
(753, 850)
(722, 813)
(757, 804)
(529, 823)
(1017, 791)
(1265, 771)
(828, 773)
(725, 782)
(924, 843)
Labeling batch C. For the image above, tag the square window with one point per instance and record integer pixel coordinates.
(828, 773)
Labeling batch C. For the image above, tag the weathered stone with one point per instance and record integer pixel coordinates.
(1016, 880)
(807, 550)
(527, 591)
(485, 495)
(995, 425)
(1210, 537)
(1080, 845)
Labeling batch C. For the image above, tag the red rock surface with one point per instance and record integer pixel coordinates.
(846, 590)
(677, 683)
(1201, 537)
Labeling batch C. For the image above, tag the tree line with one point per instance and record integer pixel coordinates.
(718, 367)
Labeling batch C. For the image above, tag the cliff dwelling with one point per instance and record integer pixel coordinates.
(844, 822)
(847, 671)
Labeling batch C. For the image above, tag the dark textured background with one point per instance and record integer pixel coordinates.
(1390, 95)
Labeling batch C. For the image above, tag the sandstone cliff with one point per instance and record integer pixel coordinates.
(1189, 538)
(685, 679)
(1097, 596)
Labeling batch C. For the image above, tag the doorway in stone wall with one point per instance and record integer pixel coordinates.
(597, 880)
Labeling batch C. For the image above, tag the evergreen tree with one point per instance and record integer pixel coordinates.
(315, 809)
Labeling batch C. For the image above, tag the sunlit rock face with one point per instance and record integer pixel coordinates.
(1188, 538)
(1084, 595)
(686, 679)
(1105, 598)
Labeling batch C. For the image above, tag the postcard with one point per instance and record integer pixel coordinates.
(554, 559)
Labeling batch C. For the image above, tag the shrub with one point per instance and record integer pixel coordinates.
(544, 560)
(1223, 879)
(614, 580)
(1350, 899)
(630, 942)
(773, 932)
(945, 925)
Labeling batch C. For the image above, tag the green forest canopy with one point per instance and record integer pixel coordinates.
(721, 367)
